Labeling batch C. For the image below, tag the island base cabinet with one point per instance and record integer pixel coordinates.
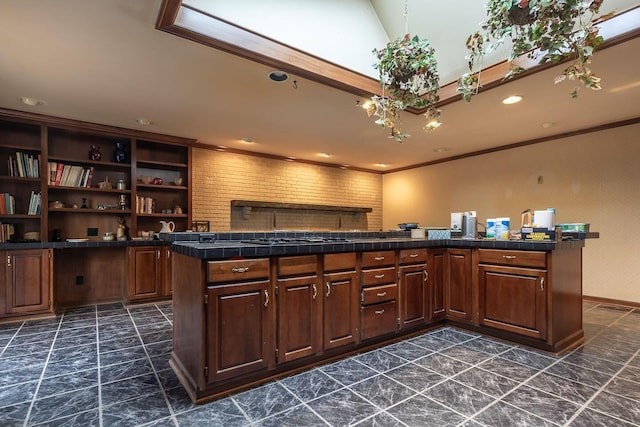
(239, 330)
(27, 280)
(514, 300)
(149, 273)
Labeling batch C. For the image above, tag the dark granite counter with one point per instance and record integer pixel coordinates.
(87, 244)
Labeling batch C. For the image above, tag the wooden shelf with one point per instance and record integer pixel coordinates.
(161, 187)
(19, 178)
(161, 215)
(88, 189)
(98, 163)
(277, 205)
(155, 164)
(19, 216)
(90, 211)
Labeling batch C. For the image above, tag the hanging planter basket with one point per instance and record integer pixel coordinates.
(549, 31)
(409, 78)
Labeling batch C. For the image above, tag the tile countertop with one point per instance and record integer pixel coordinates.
(223, 248)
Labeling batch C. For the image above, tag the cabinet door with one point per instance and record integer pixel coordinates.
(458, 302)
(145, 272)
(414, 295)
(167, 269)
(299, 317)
(28, 281)
(437, 271)
(513, 299)
(239, 329)
(341, 309)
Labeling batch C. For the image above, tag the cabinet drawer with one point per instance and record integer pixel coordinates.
(378, 319)
(235, 270)
(377, 294)
(297, 265)
(413, 256)
(534, 259)
(340, 261)
(378, 259)
(379, 276)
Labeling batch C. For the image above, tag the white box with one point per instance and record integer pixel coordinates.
(456, 221)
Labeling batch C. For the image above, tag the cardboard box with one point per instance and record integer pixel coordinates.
(538, 234)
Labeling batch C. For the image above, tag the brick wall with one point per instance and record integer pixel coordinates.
(219, 177)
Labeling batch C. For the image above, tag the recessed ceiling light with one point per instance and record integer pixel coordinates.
(248, 140)
(325, 155)
(278, 76)
(512, 99)
(382, 165)
(441, 149)
(547, 125)
(144, 122)
(32, 102)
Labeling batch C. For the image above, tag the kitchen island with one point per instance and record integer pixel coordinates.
(249, 307)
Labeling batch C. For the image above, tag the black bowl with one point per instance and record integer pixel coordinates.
(408, 225)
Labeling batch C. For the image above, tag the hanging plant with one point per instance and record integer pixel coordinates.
(557, 29)
(409, 78)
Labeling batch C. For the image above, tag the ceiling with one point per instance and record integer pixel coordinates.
(105, 62)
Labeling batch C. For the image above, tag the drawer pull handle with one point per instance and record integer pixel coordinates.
(509, 256)
(328, 289)
(426, 276)
(381, 294)
(379, 258)
(266, 297)
(413, 256)
(379, 311)
(8, 260)
(542, 283)
(315, 291)
(379, 276)
(239, 269)
(158, 254)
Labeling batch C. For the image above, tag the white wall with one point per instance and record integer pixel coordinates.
(593, 178)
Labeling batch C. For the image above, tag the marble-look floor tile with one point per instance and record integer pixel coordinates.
(20, 393)
(606, 352)
(159, 348)
(83, 323)
(299, 415)
(528, 358)
(487, 346)
(380, 360)
(179, 400)
(222, 412)
(502, 414)
(113, 344)
(459, 397)
(465, 354)
(624, 388)
(25, 360)
(486, 382)
(589, 362)
(545, 405)
(109, 307)
(69, 382)
(310, 385)
(68, 333)
(407, 350)
(14, 415)
(21, 375)
(120, 356)
(616, 406)
(508, 369)
(630, 373)
(64, 405)
(89, 418)
(422, 411)
(45, 339)
(136, 411)
(342, 407)
(74, 341)
(130, 388)
(125, 370)
(562, 387)
(431, 342)
(381, 419)
(265, 401)
(348, 371)
(29, 348)
(161, 363)
(168, 379)
(581, 375)
(159, 336)
(415, 377)
(442, 364)
(382, 391)
(590, 418)
(453, 335)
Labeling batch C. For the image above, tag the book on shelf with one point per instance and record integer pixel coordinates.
(7, 232)
(7, 204)
(24, 165)
(35, 204)
(61, 175)
(145, 205)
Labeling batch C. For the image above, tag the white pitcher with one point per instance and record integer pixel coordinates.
(167, 226)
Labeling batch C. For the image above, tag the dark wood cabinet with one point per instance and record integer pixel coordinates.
(27, 282)
(378, 294)
(149, 273)
(340, 301)
(437, 270)
(458, 290)
(415, 305)
(299, 305)
(239, 329)
(512, 288)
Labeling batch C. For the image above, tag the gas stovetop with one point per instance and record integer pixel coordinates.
(294, 240)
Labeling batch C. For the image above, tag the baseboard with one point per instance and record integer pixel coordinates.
(611, 301)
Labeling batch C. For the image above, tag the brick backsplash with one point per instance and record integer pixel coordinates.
(220, 177)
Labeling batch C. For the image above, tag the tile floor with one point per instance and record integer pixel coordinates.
(107, 366)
